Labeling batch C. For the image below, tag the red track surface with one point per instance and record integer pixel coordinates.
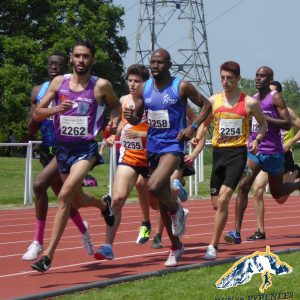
(72, 266)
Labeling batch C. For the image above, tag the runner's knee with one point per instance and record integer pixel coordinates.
(118, 203)
(39, 186)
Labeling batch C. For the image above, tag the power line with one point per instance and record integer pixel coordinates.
(131, 36)
(131, 6)
(225, 12)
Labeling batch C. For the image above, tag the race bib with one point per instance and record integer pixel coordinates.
(230, 127)
(159, 119)
(254, 125)
(74, 125)
(132, 144)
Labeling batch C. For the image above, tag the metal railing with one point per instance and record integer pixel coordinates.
(28, 181)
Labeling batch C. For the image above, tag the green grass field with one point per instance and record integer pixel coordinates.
(199, 284)
(13, 172)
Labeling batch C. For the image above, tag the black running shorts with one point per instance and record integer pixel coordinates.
(46, 154)
(227, 168)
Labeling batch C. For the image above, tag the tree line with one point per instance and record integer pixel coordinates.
(290, 91)
(30, 30)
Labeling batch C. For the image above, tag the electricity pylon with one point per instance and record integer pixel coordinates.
(179, 27)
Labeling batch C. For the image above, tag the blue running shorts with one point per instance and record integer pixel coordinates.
(270, 163)
(67, 154)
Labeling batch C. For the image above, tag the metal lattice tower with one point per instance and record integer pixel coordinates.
(179, 27)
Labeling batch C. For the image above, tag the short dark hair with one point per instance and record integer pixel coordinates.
(231, 66)
(138, 69)
(61, 54)
(277, 84)
(85, 43)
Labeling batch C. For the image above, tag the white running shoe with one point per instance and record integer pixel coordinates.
(186, 213)
(211, 253)
(174, 256)
(86, 240)
(33, 251)
(178, 222)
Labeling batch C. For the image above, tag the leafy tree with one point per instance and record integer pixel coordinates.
(291, 93)
(30, 30)
(248, 86)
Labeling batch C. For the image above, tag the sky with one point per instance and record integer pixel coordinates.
(251, 32)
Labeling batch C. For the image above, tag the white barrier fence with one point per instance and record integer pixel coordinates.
(28, 180)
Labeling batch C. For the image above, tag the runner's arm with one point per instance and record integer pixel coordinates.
(284, 122)
(42, 111)
(33, 126)
(104, 91)
(134, 115)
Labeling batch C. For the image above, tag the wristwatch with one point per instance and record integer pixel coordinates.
(195, 125)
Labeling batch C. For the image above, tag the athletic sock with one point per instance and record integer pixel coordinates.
(39, 231)
(76, 218)
(147, 224)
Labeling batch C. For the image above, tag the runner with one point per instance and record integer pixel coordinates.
(78, 117)
(132, 167)
(270, 156)
(164, 99)
(291, 170)
(49, 176)
(231, 113)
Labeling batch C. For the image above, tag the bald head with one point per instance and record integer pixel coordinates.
(266, 70)
(263, 77)
(163, 53)
(160, 64)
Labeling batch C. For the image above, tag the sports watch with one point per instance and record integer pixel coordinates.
(195, 125)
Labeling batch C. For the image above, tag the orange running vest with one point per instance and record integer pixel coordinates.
(133, 150)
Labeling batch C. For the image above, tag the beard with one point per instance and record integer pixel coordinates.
(84, 70)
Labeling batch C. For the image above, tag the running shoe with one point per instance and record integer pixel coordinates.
(182, 193)
(86, 240)
(257, 235)
(232, 237)
(104, 252)
(108, 213)
(144, 235)
(211, 253)
(186, 213)
(33, 251)
(156, 244)
(174, 256)
(178, 222)
(42, 265)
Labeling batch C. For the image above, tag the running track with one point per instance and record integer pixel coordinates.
(72, 267)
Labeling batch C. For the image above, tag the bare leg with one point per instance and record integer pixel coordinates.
(159, 182)
(143, 195)
(71, 192)
(242, 198)
(124, 182)
(281, 190)
(259, 186)
(159, 187)
(221, 215)
(164, 213)
(49, 176)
